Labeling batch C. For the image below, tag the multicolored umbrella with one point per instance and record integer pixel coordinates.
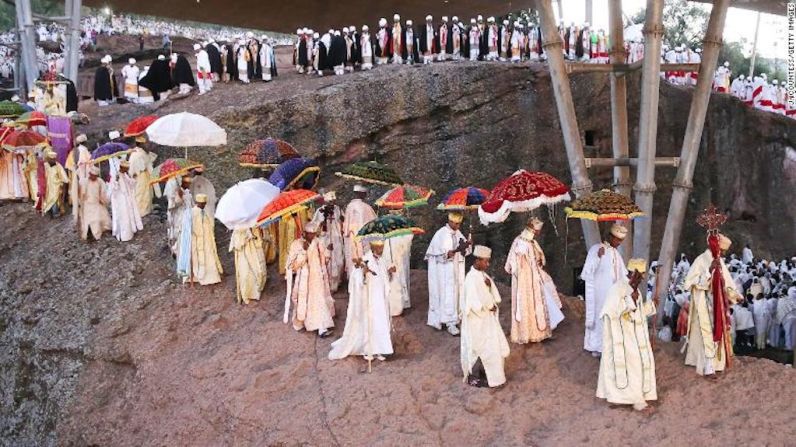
(173, 167)
(388, 226)
(267, 153)
(603, 205)
(299, 172)
(11, 109)
(286, 203)
(522, 191)
(108, 151)
(371, 172)
(406, 196)
(31, 119)
(139, 125)
(22, 139)
(463, 199)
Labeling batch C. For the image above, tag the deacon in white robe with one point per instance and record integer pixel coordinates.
(205, 266)
(130, 73)
(357, 214)
(627, 366)
(308, 284)
(482, 336)
(330, 219)
(535, 305)
(250, 269)
(707, 355)
(603, 267)
(201, 185)
(367, 325)
(445, 256)
(126, 220)
(141, 171)
(94, 215)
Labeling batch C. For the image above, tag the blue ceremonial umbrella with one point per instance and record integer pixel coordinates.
(300, 173)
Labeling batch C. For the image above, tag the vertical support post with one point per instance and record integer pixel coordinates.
(648, 126)
(690, 151)
(590, 13)
(27, 42)
(553, 47)
(754, 48)
(619, 130)
(72, 59)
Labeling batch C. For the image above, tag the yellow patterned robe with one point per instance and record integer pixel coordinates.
(250, 268)
(205, 265)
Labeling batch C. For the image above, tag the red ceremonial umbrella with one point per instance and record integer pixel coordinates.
(138, 126)
(173, 167)
(522, 191)
(463, 199)
(19, 139)
(286, 203)
(33, 118)
(406, 196)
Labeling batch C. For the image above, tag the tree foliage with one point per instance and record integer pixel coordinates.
(8, 13)
(685, 22)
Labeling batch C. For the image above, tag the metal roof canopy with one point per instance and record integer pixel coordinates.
(287, 16)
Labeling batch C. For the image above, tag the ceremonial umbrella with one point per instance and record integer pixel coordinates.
(603, 205)
(463, 199)
(22, 139)
(186, 130)
(406, 196)
(173, 167)
(522, 191)
(267, 153)
(108, 151)
(286, 203)
(31, 119)
(299, 172)
(239, 207)
(139, 125)
(371, 172)
(387, 226)
(11, 109)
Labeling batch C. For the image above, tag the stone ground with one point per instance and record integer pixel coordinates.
(101, 346)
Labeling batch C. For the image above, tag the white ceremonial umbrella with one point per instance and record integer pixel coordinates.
(186, 130)
(239, 207)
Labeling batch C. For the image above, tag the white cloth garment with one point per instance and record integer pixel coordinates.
(445, 277)
(599, 273)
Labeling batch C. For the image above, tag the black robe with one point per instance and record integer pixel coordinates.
(424, 39)
(566, 42)
(579, 45)
(232, 63)
(323, 60)
(483, 47)
(337, 51)
(356, 51)
(415, 45)
(303, 53)
(71, 93)
(183, 73)
(157, 79)
(464, 43)
(272, 55)
(104, 85)
(449, 43)
(215, 59)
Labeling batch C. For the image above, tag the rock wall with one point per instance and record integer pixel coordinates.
(473, 125)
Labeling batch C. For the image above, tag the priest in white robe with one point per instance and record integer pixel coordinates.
(603, 267)
(627, 366)
(535, 306)
(180, 202)
(445, 257)
(330, 219)
(483, 339)
(126, 220)
(250, 269)
(398, 252)
(130, 73)
(708, 347)
(357, 214)
(367, 329)
(94, 215)
(141, 171)
(308, 284)
(205, 266)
